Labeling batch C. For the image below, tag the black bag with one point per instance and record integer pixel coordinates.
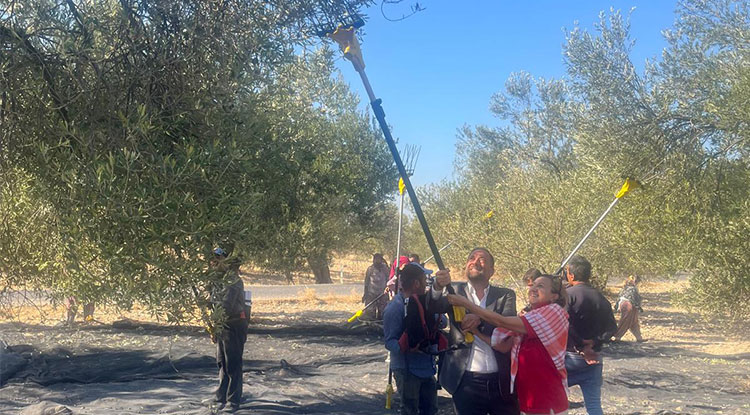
(421, 332)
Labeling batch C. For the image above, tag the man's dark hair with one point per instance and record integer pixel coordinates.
(492, 258)
(580, 267)
(377, 259)
(531, 275)
(414, 257)
(410, 274)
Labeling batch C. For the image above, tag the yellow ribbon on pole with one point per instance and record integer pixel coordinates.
(401, 186)
(629, 185)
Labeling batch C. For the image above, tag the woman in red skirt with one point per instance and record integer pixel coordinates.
(537, 342)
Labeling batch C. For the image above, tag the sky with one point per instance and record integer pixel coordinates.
(437, 70)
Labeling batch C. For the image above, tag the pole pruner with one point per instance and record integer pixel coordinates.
(345, 37)
(629, 185)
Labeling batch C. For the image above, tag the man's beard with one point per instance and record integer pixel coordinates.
(478, 275)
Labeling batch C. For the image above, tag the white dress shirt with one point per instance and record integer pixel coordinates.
(482, 358)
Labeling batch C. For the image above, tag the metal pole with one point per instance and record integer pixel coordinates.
(458, 312)
(601, 218)
(398, 240)
(347, 41)
(380, 116)
(439, 250)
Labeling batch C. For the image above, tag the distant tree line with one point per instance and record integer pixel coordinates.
(564, 147)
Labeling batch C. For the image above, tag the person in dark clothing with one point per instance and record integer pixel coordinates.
(591, 324)
(230, 334)
(412, 365)
(477, 376)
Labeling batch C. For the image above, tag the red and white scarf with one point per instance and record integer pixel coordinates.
(550, 323)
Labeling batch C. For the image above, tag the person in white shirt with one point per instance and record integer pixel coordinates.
(477, 376)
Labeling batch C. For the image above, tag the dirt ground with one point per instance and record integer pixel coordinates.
(301, 357)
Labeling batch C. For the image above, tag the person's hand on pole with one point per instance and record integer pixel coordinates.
(470, 323)
(442, 279)
(459, 300)
(460, 304)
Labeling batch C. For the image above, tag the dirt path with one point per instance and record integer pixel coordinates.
(302, 358)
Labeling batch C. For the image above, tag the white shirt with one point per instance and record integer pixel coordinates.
(482, 358)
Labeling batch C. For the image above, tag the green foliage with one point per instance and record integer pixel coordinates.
(137, 135)
(566, 145)
(339, 170)
(720, 283)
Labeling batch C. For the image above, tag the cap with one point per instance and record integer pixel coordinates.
(425, 270)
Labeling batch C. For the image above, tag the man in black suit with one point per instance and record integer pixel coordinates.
(477, 376)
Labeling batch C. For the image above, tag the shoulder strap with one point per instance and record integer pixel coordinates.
(421, 316)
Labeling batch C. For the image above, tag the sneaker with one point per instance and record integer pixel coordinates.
(214, 404)
(231, 408)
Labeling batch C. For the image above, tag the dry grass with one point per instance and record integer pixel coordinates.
(308, 300)
(661, 321)
(706, 334)
(347, 268)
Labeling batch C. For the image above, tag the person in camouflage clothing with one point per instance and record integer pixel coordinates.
(375, 280)
(230, 330)
(629, 304)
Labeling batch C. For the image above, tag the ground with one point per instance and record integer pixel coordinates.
(302, 357)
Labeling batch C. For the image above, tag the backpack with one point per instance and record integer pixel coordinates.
(421, 333)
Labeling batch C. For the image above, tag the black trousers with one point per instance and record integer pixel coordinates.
(479, 394)
(418, 395)
(229, 347)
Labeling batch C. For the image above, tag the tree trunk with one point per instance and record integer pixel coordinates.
(319, 266)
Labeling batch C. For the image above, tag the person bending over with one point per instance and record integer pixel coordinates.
(629, 304)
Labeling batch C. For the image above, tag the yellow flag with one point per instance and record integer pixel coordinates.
(347, 39)
(489, 214)
(401, 186)
(627, 186)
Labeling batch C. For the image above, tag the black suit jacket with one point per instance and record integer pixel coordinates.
(456, 359)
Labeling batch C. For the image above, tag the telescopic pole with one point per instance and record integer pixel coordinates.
(439, 250)
(601, 218)
(396, 259)
(629, 185)
(345, 37)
